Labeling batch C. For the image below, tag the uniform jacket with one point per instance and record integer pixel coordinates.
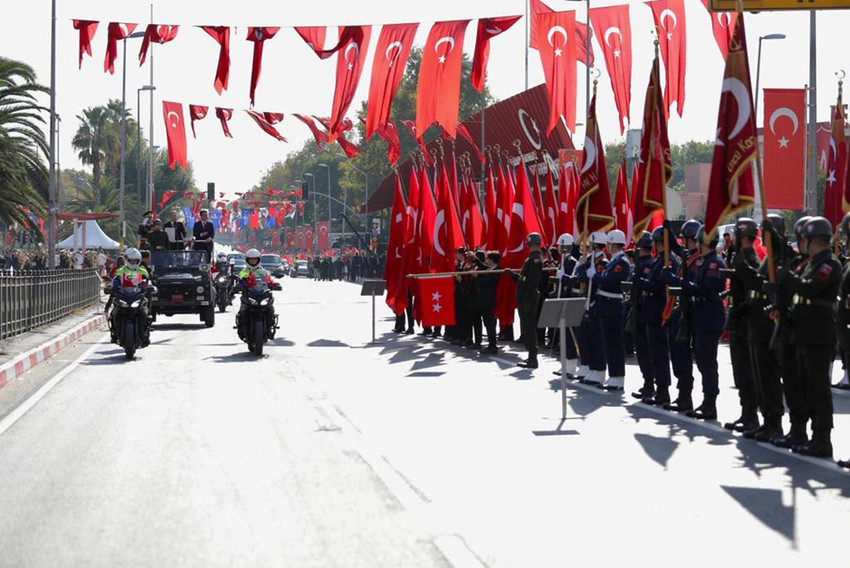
(528, 280)
(813, 309)
(607, 283)
(704, 290)
(654, 289)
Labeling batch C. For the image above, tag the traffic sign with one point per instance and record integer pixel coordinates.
(759, 5)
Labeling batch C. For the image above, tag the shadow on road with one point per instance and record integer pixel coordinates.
(327, 343)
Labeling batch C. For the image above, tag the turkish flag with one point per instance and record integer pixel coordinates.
(438, 92)
(523, 222)
(394, 266)
(87, 29)
(437, 299)
(448, 235)
(389, 134)
(426, 221)
(197, 112)
(412, 255)
(489, 222)
(731, 187)
(580, 29)
(612, 26)
(315, 38)
(391, 55)
(654, 168)
(488, 28)
(464, 133)
(290, 238)
(622, 212)
(323, 237)
(594, 209)
(176, 132)
(557, 49)
(275, 239)
(835, 200)
(155, 34)
(115, 31)
(221, 34)
(504, 204)
(471, 223)
(669, 16)
(722, 24)
(224, 115)
(351, 150)
(265, 125)
(311, 124)
(349, 66)
(301, 242)
(537, 196)
(411, 128)
(310, 236)
(259, 37)
(784, 148)
(550, 210)
(166, 196)
(567, 198)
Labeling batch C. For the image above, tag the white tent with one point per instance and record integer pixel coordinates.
(88, 235)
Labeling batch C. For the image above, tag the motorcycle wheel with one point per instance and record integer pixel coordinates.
(129, 340)
(259, 337)
(209, 316)
(222, 302)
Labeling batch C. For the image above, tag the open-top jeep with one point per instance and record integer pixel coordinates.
(183, 285)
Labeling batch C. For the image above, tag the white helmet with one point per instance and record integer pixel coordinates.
(597, 238)
(221, 257)
(133, 256)
(566, 240)
(252, 253)
(617, 237)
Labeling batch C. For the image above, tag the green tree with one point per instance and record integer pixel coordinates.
(93, 140)
(104, 199)
(23, 175)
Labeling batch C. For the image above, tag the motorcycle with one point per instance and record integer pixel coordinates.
(256, 322)
(223, 287)
(129, 323)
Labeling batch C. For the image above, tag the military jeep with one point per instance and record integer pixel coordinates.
(183, 285)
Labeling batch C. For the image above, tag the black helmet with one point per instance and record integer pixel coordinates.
(798, 226)
(712, 242)
(689, 229)
(845, 226)
(645, 240)
(817, 227)
(746, 227)
(658, 235)
(778, 222)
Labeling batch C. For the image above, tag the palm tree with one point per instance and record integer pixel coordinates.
(113, 149)
(104, 199)
(23, 175)
(93, 140)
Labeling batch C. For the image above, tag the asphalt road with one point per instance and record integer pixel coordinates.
(332, 452)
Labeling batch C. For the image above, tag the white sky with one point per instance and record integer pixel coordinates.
(294, 80)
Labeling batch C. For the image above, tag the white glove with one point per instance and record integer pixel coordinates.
(592, 270)
(559, 274)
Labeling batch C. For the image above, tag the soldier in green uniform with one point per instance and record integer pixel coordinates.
(528, 295)
(814, 331)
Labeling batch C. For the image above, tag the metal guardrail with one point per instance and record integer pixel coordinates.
(30, 299)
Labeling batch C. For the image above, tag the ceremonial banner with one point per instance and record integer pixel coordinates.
(669, 16)
(388, 66)
(323, 237)
(489, 222)
(835, 200)
(426, 221)
(87, 29)
(488, 28)
(622, 211)
(784, 148)
(394, 266)
(550, 210)
(412, 251)
(594, 209)
(349, 66)
(731, 187)
(557, 50)
(612, 25)
(175, 130)
(437, 299)
(448, 235)
(221, 34)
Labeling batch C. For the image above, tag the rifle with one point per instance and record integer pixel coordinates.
(630, 299)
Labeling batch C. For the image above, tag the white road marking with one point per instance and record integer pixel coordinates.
(30, 402)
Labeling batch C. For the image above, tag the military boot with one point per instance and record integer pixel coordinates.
(661, 397)
(683, 402)
(795, 437)
(646, 391)
(773, 429)
(707, 410)
(819, 447)
(747, 421)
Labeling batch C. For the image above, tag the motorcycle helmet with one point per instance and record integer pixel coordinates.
(221, 257)
(133, 256)
(254, 255)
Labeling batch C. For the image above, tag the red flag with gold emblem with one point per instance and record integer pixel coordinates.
(594, 209)
(835, 201)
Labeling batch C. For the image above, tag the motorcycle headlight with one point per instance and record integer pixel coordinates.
(252, 301)
(265, 302)
(121, 303)
(200, 289)
(136, 304)
(220, 280)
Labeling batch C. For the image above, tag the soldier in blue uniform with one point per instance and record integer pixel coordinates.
(814, 330)
(642, 268)
(654, 290)
(593, 338)
(709, 319)
(566, 269)
(608, 308)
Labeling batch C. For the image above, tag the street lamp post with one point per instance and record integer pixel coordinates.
(329, 193)
(366, 193)
(313, 199)
(51, 182)
(122, 214)
(139, 134)
(758, 66)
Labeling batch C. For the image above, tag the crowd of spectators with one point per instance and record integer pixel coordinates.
(16, 259)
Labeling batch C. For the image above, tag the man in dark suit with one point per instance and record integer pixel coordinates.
(203, 234)
(179, 236)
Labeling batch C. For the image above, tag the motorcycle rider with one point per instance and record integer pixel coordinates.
(132, 275)
(223, 266)
(252, 278)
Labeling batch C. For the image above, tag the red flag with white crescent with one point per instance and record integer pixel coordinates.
(265, 125)
(425, 223)
(594, 209)
(412, 255)
(669, 16)
(835, 199)
(488, 230)
(471, 223)
(622, 210)
(448, 235)
(197, 112)
(115, 31)
(314, 36)
(731, 186)
(176, 133)
(323, 236)
(349, 67)
(388, 66)
(488, 28)
(224, 115)
(580, 29)
(550, 210)
(389, 134)
(438, 92)
(785, 148)
(722, 25)
(394, 265)
(221, 34)
(87, 29)
(557, 49)
(259, 37)
(155, 34)
(311, 124)
(614, 30)
(523, 222)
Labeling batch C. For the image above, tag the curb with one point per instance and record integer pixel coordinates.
(30, 359)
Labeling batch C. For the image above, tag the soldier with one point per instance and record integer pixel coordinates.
(157, 238)
(709, 319)
(742, 253)
(643, 266)
(609, 309)
(763, 359)
(566, 268)
(792, 382)
(591, 337)
(527, 294)
(654, 289)
(814, 330)
(844, 309)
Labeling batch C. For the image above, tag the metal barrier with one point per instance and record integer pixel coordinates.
(34, 298)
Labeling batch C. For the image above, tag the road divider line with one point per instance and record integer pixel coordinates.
(33, 399)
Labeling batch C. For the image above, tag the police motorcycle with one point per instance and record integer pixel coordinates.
(223, 281)
(129, 322)
(256, 321)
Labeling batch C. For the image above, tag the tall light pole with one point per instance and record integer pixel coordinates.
(51, 182)
(758, 66)
(313, 199)
(366, 193)
(811, 164)
(122, 214)
(139, 135)
(150, 199)
(329, 194)
(297, 203)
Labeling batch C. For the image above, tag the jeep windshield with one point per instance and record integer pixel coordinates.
(178, 260)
